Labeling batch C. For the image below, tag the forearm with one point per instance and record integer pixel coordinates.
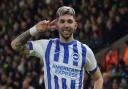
(98, 84)
(98, 80)
(19, 42)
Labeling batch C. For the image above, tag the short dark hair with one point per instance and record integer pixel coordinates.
(65, 10)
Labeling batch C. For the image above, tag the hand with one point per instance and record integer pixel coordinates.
(44, 25)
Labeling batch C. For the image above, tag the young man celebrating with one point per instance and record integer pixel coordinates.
(65, 59)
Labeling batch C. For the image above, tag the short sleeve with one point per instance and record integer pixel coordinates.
(37, 48)
(91, 63)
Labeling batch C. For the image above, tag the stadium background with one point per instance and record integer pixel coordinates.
(101, 24)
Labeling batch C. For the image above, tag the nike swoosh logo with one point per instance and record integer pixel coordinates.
(57, 52)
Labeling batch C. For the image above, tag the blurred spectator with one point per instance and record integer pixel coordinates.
(126, 53)
(123, 84)
(115, 84)
(111, 58)
(26, 84)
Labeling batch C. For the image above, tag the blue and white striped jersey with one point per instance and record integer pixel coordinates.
(64, 63)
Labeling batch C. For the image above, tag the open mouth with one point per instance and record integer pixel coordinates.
(66, 31)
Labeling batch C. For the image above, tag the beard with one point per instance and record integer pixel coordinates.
(66, 33)
(66, 36)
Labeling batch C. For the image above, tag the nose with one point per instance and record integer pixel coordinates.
(66, 24)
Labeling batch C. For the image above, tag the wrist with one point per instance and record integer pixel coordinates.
(33, 31)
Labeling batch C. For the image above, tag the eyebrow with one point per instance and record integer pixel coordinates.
(67, 19)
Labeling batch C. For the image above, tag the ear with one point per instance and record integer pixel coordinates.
(76, 25)
(56, 24)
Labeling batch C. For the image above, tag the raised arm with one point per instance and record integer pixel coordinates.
(19, 43)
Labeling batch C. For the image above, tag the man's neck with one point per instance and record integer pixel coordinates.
(63, 40)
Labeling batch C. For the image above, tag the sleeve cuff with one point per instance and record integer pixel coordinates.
(94, 70)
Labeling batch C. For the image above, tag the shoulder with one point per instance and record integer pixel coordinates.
(83, 45)
(42, 41)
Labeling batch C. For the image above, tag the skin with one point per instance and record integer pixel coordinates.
(66, 26)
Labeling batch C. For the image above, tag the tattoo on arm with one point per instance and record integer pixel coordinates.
(20, 42)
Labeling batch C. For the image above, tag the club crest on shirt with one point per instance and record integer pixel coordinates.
(75, 57)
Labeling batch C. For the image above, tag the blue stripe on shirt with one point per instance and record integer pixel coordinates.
(30, 45)
(56, 58)
(57, 51)
(75, 61)
(66, 54)
(64, 83)
(72, 84)
(75, 51)
(56, 82)
(47, 54)
(65, 60)
(83, 55)
(83, 64)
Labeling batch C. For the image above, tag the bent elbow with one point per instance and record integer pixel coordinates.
(13, 45)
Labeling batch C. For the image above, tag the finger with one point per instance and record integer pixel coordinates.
(52, 27)
(44, 22)
(53, 22)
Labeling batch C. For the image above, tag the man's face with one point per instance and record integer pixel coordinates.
(66, 25)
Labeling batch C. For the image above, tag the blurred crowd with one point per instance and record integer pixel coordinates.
(101, 22)
(115, 67)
